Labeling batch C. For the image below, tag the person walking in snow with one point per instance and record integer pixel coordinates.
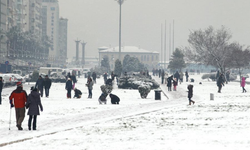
(190, 94)
(69, 87)
(243, 83)
(33, 104)
(90, 87)
(47, 85)
(39, 85)
(18, 98)
(220, 82)
(177, 76)
(105, 77)
(166, 77)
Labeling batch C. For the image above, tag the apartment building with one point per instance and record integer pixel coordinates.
(33, 17)
(50, 27)
(3, 48)
(63, 37)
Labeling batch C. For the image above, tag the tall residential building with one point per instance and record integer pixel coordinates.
(50, 27)
(3, 48)
(63, 37)
(33, 17)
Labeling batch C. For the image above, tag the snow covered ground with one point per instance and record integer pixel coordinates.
(147, 124)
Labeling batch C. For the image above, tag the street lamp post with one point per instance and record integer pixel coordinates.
(120, 2)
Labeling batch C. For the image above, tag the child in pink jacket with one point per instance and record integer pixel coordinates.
(243, 83)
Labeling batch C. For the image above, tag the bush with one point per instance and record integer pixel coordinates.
(144, 90)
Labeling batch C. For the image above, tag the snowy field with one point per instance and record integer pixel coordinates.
(135, 124)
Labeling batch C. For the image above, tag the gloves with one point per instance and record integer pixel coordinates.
(11, 104)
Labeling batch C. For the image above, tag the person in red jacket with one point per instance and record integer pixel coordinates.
(18, 99)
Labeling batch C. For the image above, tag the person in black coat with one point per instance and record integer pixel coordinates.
(69, 87)
(1, 88)
(78, 93)
(190, 94)
(47, 85)
(39, 85)
(220, 82)
(114, 99)
(169, 84)
(32, 104)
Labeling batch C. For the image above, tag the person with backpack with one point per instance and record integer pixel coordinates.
(33, 104)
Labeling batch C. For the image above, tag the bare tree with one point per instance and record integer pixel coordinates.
(239, 57)
(209, 47)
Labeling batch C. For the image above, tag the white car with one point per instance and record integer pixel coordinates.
(7, 79)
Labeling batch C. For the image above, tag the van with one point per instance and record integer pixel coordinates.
(49, 70)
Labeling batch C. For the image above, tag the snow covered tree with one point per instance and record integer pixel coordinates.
(132, 64)
(177, 60)
(105, 64)
(118, 67)
(209, 47)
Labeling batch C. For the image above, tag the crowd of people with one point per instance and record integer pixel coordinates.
(20, 100)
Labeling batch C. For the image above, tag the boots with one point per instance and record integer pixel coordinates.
(19, 127)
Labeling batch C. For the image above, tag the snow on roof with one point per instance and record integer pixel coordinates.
(127, 49)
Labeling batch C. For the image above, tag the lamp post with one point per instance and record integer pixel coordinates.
(120, 2)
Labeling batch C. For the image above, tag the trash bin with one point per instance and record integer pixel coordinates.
(157, 94)
(211, 96)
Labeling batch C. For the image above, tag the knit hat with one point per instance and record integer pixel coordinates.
(19, 84)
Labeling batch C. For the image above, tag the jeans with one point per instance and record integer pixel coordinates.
(46, 92)
(90, 93)
(41, 91)
(34, 122)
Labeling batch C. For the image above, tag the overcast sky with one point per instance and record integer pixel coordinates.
(97, 21)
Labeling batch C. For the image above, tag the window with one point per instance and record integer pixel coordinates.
(53, 8)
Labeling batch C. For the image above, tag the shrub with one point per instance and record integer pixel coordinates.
(144, 90)
(34, 76)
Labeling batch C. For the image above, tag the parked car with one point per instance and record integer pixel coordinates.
(7, 79)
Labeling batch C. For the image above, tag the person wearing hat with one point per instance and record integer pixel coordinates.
(32, 104)
(1, 88)
(47, 85)
(18, 99)
(69, 87)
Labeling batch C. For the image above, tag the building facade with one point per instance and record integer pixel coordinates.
(3, 46)
(63, 38)
(148, 58)
(33, 17)
(50, 28)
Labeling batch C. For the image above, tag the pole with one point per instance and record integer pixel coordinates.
(173, 38)
(120, 24)
(165, 45)
(161, 47)
(10, 118)
(169, 43)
